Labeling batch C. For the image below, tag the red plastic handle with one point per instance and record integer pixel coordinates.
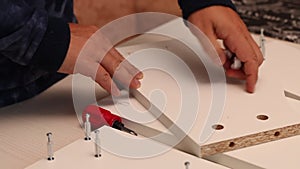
(99, 116)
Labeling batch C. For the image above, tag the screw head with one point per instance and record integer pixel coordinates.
(187, 163)
(87, 138)
(98, 155)
(50, 158)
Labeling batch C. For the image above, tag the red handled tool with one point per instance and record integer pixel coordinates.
(100, 117)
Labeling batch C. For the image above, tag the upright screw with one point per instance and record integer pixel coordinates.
(97, 144)
(87, 127)
(50, 147)
(262, 42)
(187, 164)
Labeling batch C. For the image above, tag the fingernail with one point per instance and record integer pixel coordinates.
(137, 83)
(139, 76)
(251, 90)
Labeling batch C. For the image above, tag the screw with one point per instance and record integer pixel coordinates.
(87, 127)
(50, 147)
(187, 164)
(97, 144)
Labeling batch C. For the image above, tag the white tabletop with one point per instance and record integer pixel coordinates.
(23, 129)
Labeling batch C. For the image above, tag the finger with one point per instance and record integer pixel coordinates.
(110, 62)
(237, 74)
(103, 79)
(233, 73)
(252, 42)
(244, 51)
(251, 69)
(248, 52)
(131, 69)
(122, 75)
(227, 65)
(125, 72)
(256, 48)
(113, 63)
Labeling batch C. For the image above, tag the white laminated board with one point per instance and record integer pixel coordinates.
(278, 154)
(242, 128)
(287, 59)
(138, 118)
(80, 154)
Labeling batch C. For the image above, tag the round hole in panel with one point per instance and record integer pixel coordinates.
(277, 133)
(262, 117)
(218, 127)
(231, 144)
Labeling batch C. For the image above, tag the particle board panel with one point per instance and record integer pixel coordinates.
(239, 118)
(80, 154)
(278, 154)
(286, 73)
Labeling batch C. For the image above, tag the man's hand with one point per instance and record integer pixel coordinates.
(91, 62)
(219, 22)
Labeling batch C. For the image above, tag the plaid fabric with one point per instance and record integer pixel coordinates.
(23, 25)
(190, 6)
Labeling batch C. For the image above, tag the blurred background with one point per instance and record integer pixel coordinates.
(279, 18)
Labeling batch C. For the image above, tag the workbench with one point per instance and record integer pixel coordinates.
(23, 129)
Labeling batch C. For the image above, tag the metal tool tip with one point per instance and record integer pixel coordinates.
(133, 133)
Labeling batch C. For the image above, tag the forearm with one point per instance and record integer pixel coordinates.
(53, 48)
(165, 6)
(80, 34)
(30, 37)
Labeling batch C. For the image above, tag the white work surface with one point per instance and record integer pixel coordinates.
(23, 129)
(80, 154)
(23, 126)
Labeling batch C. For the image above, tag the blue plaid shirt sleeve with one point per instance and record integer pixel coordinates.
(34, 40)
(30, 36)
(190, 6)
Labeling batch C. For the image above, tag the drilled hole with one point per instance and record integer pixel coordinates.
(277, 133)
(231, 144)
(262, 117)
(218, 127)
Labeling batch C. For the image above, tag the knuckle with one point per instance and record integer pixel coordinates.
(260, 60)
(105, 77)
(254, 59)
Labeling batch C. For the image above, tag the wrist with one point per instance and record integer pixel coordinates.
(79, 36)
